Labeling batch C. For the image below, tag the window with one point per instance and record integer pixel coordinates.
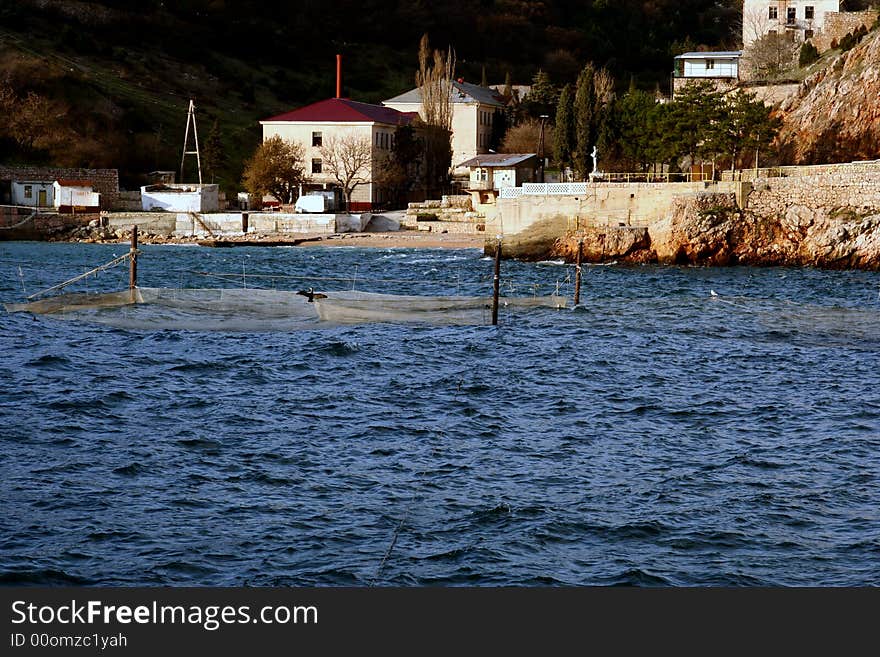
(316, 165)
(28, 191)
(710, 64)
(809, 13)
(791, 15)
(772, 13)
(317, 139)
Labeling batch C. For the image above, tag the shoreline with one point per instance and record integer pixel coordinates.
(386, 240)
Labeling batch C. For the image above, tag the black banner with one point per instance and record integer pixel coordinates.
(266, 621)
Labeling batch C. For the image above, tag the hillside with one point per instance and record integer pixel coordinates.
(835, 117)
(106, 83)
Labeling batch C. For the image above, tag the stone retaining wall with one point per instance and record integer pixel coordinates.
(838, 25)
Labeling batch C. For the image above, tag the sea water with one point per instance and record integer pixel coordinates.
(682, 427)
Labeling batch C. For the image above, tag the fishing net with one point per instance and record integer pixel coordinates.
(261, 309)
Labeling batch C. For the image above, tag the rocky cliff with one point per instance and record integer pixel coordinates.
(835, 116)
(709, 229)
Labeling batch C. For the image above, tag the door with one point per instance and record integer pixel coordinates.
(41, 198)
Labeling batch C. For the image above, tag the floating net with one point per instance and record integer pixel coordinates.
(261, 309)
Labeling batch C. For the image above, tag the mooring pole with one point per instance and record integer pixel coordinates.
(496, 283)
(133, 262)
(577, 273)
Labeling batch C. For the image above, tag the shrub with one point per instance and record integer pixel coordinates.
(809, 54)
(847, 42)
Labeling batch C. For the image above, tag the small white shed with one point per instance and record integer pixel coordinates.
(75, 196)
(723, 64)
(33, 193)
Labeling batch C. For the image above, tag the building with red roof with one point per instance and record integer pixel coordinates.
(323, 126)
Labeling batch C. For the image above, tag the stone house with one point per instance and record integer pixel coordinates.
(798, 19)
(318, 124)
(474, 110)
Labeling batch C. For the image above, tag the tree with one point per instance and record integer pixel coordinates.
(584, 105)
(744, 125)
(633, 113)
(771, 55)
(277, 168)
(809, 54)
(349, 159)
(564, 132)
(525, 137)
(593, 100)
(213, 156)
(542, 97)
(399, 169)
(434, 81)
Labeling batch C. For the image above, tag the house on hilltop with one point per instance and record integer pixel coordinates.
(798, 19)
(474, 114)
(334, 119)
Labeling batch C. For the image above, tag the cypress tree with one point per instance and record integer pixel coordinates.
(564, 132)
(584, 105)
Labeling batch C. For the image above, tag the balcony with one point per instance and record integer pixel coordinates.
(480, 185)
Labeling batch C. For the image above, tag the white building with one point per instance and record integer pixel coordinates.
(724, 65)
(473, 117)
(317, 124)
(33, 193)
(491, 173)
(799, 19)
(75, 196)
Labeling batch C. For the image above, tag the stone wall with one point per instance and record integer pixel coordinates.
(837, 25)
(849, 170)
(104, 181)
(822, 194)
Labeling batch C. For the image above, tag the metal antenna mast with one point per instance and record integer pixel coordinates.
(191, 118)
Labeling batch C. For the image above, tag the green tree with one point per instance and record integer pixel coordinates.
(633, 113)
(585, 120)
(542, 97)
(213, 156)
(564, 132)
(745, 124)
(277, 167)
(809, 54)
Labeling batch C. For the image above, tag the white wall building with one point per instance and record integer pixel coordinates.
(800, 19)
(35, 194)
(473, 117)
(317, 124)
(723, 65)
(73, 195)
(491, 173)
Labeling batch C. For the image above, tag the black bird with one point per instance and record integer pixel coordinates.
(312, 295)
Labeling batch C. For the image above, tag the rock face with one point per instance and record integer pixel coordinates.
(835, 116)
(709, 229)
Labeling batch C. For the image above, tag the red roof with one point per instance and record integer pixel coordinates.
(66, 182)
(344, 110)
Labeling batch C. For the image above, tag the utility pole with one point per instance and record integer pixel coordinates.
(191, 118)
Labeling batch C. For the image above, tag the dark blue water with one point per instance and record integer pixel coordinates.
(658, 436)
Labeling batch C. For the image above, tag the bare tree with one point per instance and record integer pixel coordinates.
(434, 81)
(349, 159)
(771, 55)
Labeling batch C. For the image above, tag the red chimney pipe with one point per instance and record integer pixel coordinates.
(339, 76)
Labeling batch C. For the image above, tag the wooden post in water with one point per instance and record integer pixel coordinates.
(496, 283)
(132, 262)
(577, 273)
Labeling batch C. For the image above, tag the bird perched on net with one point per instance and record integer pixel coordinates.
(311, 295)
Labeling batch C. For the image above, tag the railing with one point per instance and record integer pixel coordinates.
(575, 188)
(480, 185)
(865, 166)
